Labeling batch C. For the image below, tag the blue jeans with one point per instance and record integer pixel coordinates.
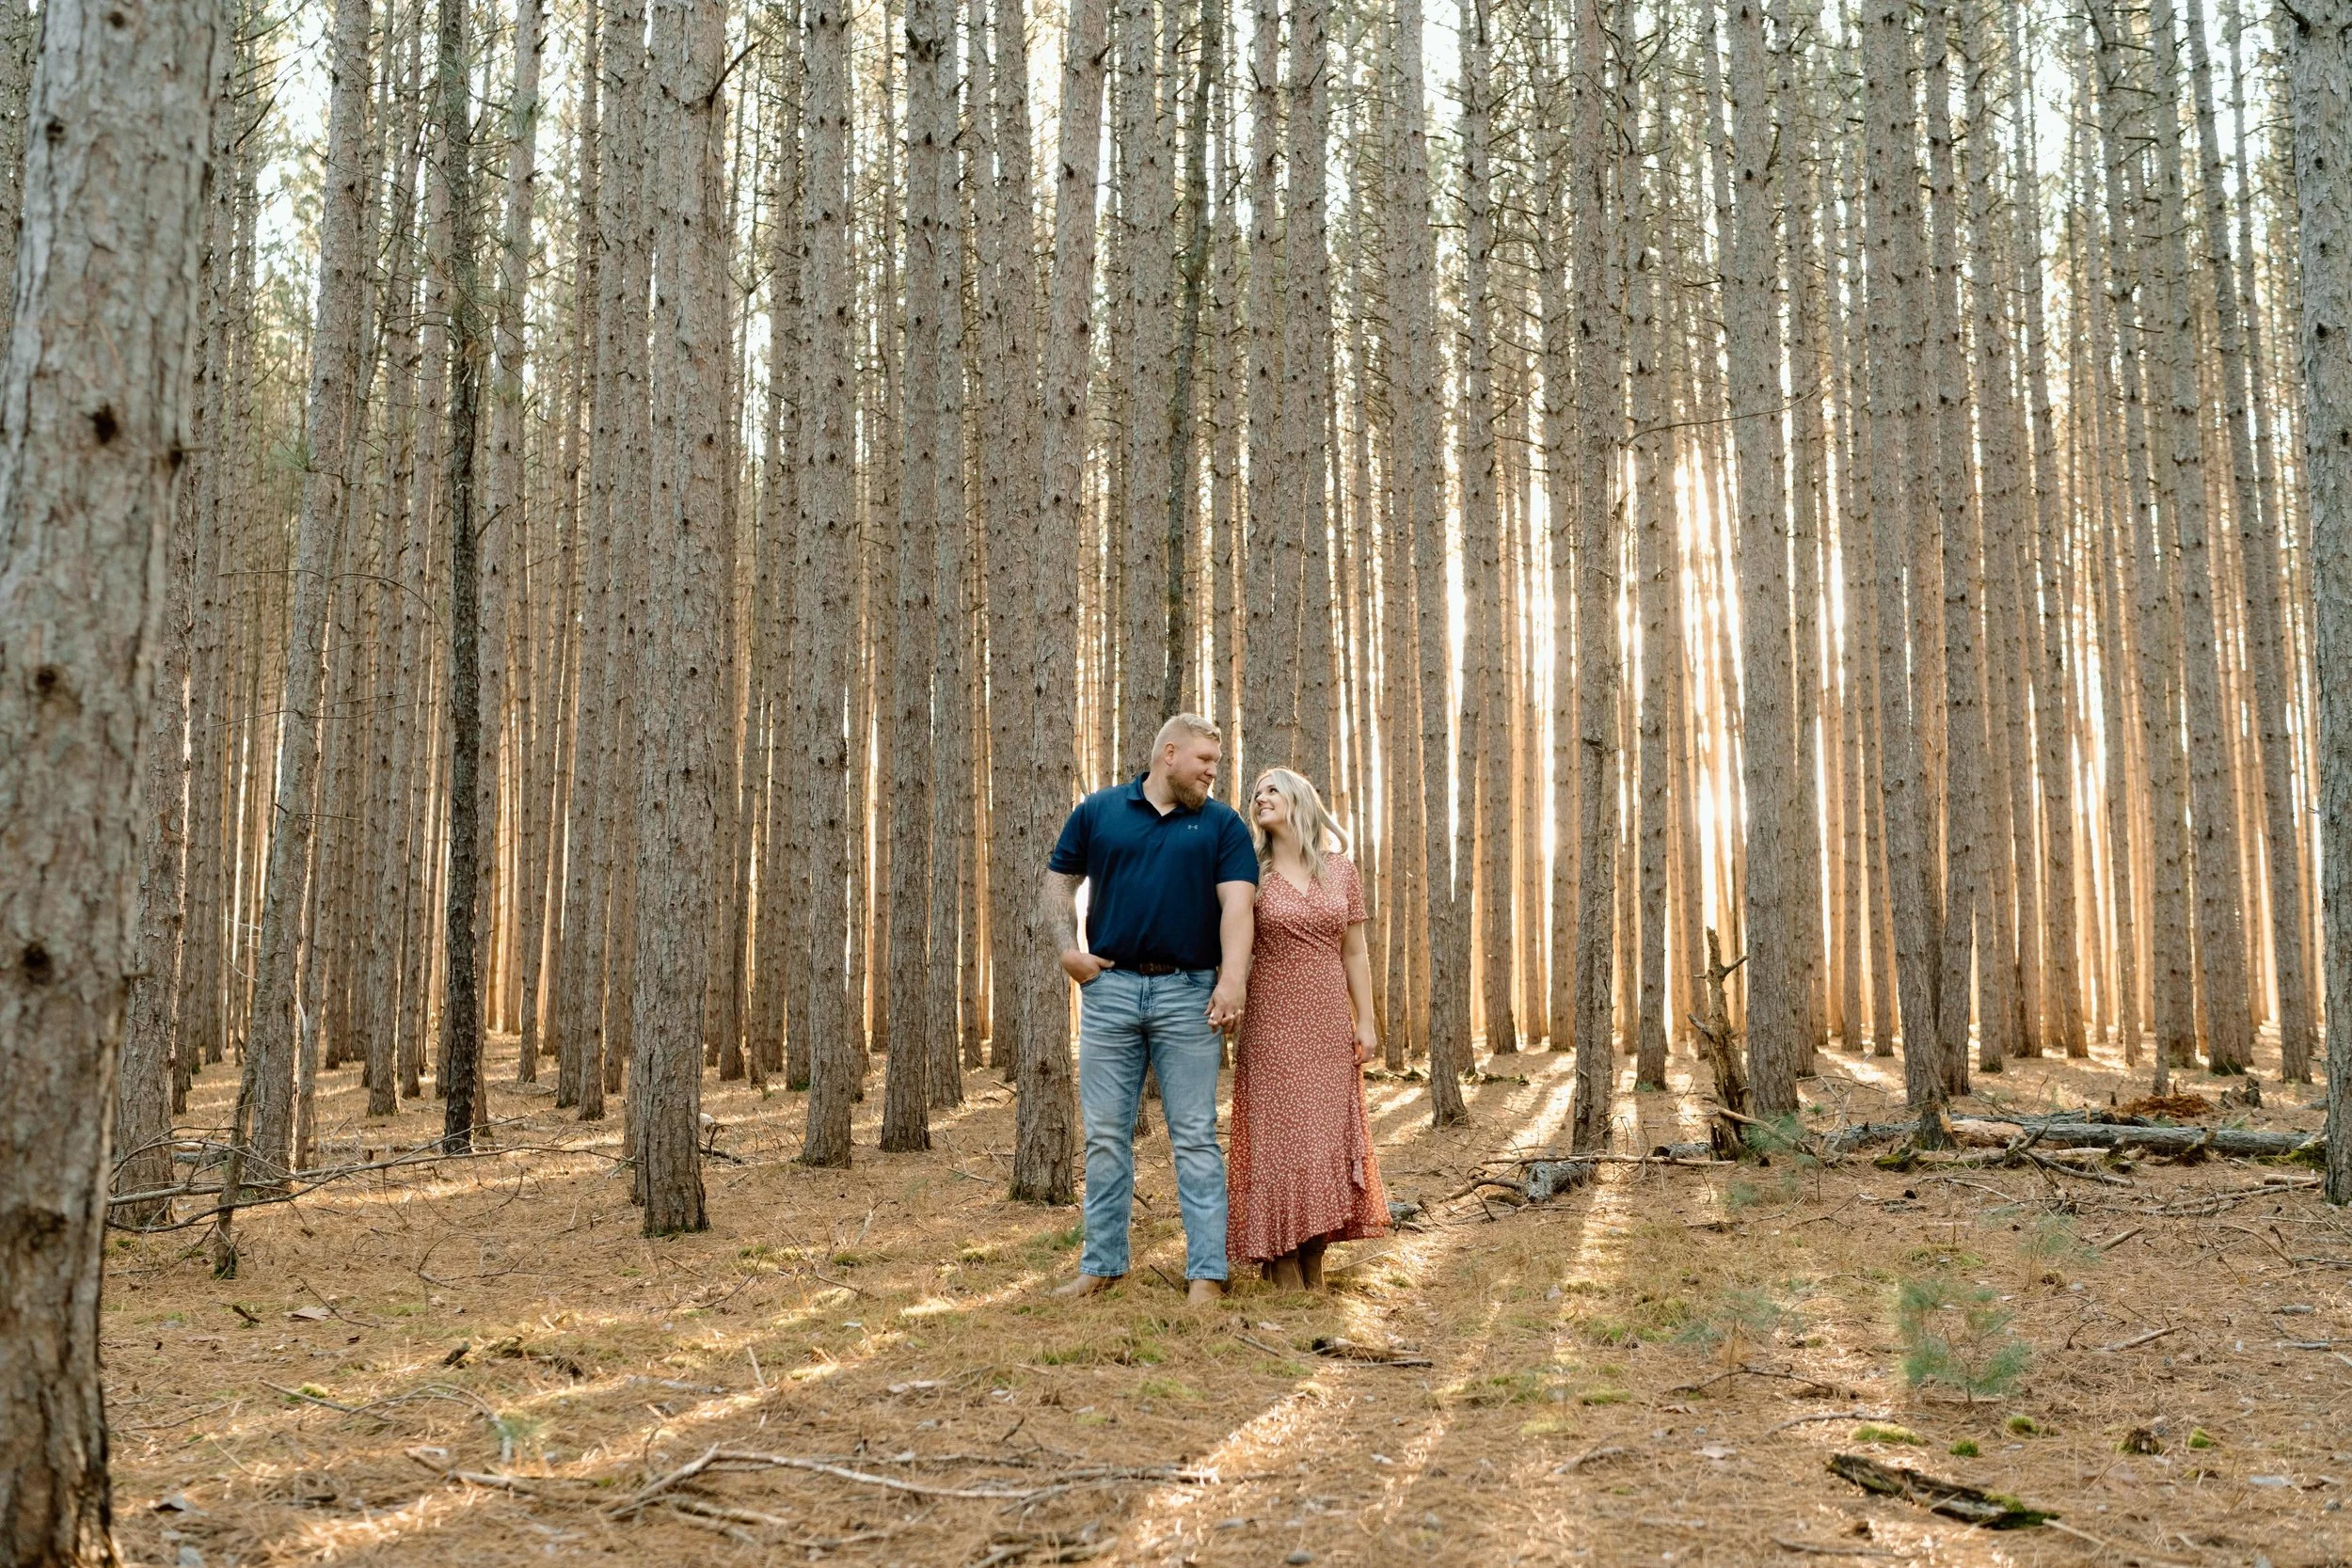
(1127, 1021)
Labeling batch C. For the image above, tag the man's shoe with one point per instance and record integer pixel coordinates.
(1086, 1284)
(1206, 1293)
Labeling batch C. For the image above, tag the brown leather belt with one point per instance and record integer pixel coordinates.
(1155, 969)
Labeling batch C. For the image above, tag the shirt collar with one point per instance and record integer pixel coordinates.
(1134, 793)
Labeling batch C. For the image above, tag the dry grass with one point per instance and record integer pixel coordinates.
(891, 1321)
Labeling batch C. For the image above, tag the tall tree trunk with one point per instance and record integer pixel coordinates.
(2158, 671)
(1307, 405)
(1962, 718)
(681, 783)
(1444, 878)
(933, 445)
(2319, 64)
(2054, 729)
(461, 1005)
(953, 936)
(143, 1097)
(1270, 548)
(2271, 674)
(1146, 200)
(1662, 657)
(1182, 552)
(2220, 922)
(1600, 428)
(1007, 294)
(331, 429)
(577, 1015)
(1045, 1137)
(1901, 444)
(1484, 769)
(1778, 988)
(94, 431)
(507, 542)
(828, 494)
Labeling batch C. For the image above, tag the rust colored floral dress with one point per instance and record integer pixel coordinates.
(1302, 1166)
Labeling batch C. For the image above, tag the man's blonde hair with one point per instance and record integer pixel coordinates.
(1185, 724)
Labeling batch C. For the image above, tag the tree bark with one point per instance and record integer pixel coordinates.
(682, 779)
(1045, 1134)
(2318, 44)
(1444, 878)
(1778, 988)
(2269, 675)
(92, 431)
(933, 447)
(460, 1073)
(330, 427)
(20, 40)
(827, 693)
(1600, 430)
(1900, 446)
(2221, 919)
(1270, 546)
(1483, 769)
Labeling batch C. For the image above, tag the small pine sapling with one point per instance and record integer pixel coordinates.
(1958, 1335)
(1739, 1321)
(2050, 1245)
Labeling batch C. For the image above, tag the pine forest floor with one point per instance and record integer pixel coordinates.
(483, 1361)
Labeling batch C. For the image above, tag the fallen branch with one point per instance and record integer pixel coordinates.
(1953, 1499)
(1348, 1350)
(2073, 1130)
(255, 1194)
(1831, 1416)
(1590, 1457)
(1743, 1369)
(2136, 1339)
(2064, 1169)
(1812, 1549)
(742, 1458)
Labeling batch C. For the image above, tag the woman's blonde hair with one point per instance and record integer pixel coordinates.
(1318, 832)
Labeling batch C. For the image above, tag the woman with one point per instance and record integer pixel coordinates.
(1301, 1172)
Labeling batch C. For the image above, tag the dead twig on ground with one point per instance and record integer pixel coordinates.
(2137, 1339)
(1812, 1549)
(1745, 1371)
(1348, 1350)
(1829, 1415)
(744, 1459)
(1590, 1457)
(2060, 1167)
(1953, 1499)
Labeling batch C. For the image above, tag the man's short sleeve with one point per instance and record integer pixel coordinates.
(1069, 858)
(1237, 856)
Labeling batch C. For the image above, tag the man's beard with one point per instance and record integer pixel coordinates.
(1191, 796)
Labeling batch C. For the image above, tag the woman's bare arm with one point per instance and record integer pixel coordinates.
(1356, 954)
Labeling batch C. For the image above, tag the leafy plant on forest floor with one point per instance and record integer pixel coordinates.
(1785, 1137)
(2051, 1244)
(1958, 1335)
(1740, 1319)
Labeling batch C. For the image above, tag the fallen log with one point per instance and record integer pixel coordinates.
(1952, 1498)
(2058, 1132)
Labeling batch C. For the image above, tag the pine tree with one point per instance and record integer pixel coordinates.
(2319, 66)
(96, 392)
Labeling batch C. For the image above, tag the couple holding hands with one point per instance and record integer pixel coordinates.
(1199, 924)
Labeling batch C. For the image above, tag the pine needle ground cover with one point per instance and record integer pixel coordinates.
(482, 1362)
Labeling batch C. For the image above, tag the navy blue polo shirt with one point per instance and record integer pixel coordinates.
(1154, 894)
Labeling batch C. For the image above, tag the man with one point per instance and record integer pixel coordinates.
(1163, 969)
